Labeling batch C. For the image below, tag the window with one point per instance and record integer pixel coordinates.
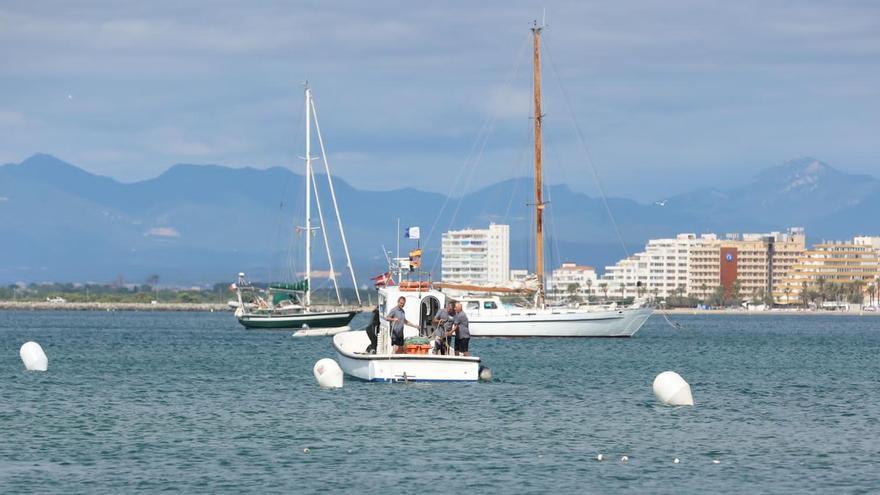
(490, 305)
(473, 304)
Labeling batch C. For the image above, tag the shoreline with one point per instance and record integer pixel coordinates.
(743, 312)
(124, 306)
(111, 306)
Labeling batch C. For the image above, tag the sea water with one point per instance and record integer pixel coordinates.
(192, 402)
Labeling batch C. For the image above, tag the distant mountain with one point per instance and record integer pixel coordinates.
(798, 192)
(204, 223)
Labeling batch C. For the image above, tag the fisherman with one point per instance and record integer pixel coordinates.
(461, 331)
(443, 324)
(373, 331)
(397, 318)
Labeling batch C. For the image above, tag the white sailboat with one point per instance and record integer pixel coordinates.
(290, 305)
(490, 318)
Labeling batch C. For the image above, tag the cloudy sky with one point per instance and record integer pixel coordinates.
(669, 95)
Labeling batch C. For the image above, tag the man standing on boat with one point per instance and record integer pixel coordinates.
(397, 317)
(443, 322)
(461, 331)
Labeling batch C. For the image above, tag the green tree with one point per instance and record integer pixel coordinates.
(716, 298)
(736, 293)
(572, 291)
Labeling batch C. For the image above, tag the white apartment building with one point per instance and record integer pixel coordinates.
(691, 264)
(660, 270)
(476, 256)
(583, 278)
(864, 240)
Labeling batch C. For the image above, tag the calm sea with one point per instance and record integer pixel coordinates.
(191, 402)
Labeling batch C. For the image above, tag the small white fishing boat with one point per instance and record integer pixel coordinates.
(385, 366)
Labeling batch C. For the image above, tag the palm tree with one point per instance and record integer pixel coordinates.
(572, 290)
(589, 287)
(872, 289)
(787, 292)
(735, 292)
(703, 289)
(820, 284)
(604, 288)
(805, 294)
(858, 289)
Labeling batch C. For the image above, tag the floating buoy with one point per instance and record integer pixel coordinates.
(716, 461)
(328, 373)
(306, 450)
(33, 357)
(485, 374)
(624, 459)
(675, 461)
(600, 457)
(671, 389)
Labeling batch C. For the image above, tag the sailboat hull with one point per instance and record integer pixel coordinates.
(572, 323)
(297, 320)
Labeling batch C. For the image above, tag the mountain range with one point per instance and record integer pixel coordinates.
(197, 224)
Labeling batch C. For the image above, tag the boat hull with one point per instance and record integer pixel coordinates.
(349, 347)
(548, 323)
(334, 319)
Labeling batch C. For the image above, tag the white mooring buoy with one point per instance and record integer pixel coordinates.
(328, 373)
(671, 389)
(33, 357)
(485, 374)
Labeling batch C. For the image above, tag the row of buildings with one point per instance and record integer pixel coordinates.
(774, 266)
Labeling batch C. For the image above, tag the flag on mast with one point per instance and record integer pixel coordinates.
(412, 233)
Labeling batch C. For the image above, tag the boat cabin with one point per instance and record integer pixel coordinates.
(422, 303)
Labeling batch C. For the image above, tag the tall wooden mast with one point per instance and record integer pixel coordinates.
(539, 202)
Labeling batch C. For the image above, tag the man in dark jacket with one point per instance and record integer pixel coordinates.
(373, 331)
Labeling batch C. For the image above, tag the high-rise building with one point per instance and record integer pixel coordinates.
(756, 264)
(852, 266)
(661, 270)
(697, 265)
(476, 256)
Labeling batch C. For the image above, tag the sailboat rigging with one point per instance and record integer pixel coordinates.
(490, 317)
(290, 305)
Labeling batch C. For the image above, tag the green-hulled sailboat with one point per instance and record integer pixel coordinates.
(290, 305)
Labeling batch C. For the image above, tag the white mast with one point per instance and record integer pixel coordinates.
(308, 228)
(326, 241)
(335, 208)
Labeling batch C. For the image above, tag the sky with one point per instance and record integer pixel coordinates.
(668, 96)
